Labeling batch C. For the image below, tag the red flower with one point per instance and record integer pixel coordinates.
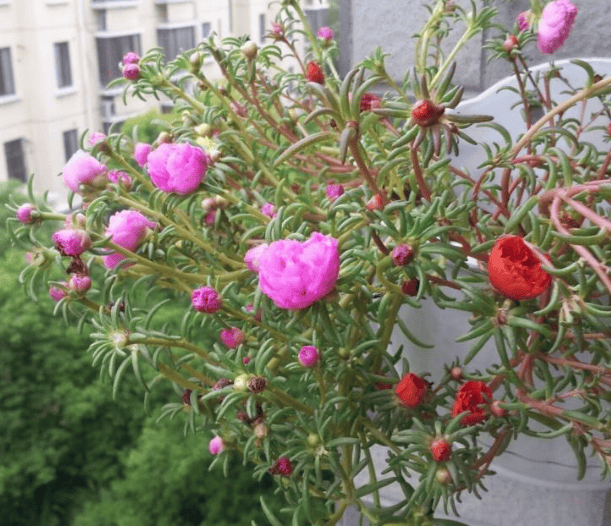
(425, 113)
(315, 74)
(441, 450)
(470, 397)
(369, 101)
(515, 271)
(411, 390)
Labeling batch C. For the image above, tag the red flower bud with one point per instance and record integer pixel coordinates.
(515, 271)
(471, 397)
(425, 113)
(410, 288)
(402, 255)
(441, 450)
(369, 101)
(283, 467)
(377, 202)
(411, 390)
(314, 73)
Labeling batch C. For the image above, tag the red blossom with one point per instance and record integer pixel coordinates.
(411, 390)
(472, 396)
(515, 271)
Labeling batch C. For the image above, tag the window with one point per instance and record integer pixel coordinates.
(206, 29)
(175, 41)
(111, 51)
(70, 143)
(262, 27)
(7, 83)
(115, 125)
(15, 160)
(62, 64)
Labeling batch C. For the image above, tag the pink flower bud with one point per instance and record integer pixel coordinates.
(216, 445)
(141, 153)
(178, 168)
(75, 221)
(79, 283)
(326, 34)
(207, 300)
(257, 316)
(56, 293)
(120, 178)
(309, 356)
(24, 213)
(252, 258)
(334, 191)
(246, 360)
(269, 210)
(232, 337)
(239, 109)
(131, 58)
(96, 137)
(522, 19)
(131, 72)
(83, 169)
(402, 255)
(127, 229)
(277, 30)
(210, 218)
(71, 242)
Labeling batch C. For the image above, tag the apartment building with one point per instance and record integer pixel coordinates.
(58, 56)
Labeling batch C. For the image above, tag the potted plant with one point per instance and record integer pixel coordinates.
(292, 215)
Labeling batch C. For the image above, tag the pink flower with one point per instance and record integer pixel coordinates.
(210, 218)
(79, 283)
(96, 137)
(206, 299)
(141, 153)
(216, 445)
(326, 34)
(555, 26)
(24, 213)
(308, 356)
(56, 293)
(71, 242)
(283, 467)
(252, 258)
(131, 58)
(522, 19)
(83, 169)
(269, 210)
(232, 338)
(177, 168)
(294, 274)
(277, 30)
(120, 178)
(334, 191)
(131, 72)
(127, 229)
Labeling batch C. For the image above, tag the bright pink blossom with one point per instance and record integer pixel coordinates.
(555, 26)
(295, 274)
(127, 229)
(308, 356)
(232, 337)
(334, 191)
(71, 242)
(83, 169)
(24, 213)
(252, 258)
(269, 210)
(56, 293)
(177, 168)
(216, 445)
(141, 153)
(207, 300)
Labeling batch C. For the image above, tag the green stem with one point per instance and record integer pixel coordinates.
(288, 400)
(181, 344)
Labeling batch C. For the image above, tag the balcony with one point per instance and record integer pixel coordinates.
(114, 4)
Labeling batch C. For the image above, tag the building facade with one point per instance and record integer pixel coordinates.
(58, 56)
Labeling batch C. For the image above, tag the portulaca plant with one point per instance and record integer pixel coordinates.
(291, 215)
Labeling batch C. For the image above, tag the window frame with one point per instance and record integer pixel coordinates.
(70, 140)
(10, 169)
(63, 70)
(7, 83)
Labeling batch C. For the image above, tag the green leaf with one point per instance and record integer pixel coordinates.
(304, 143)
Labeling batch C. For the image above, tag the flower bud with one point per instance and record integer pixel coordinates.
(443, 476)
(79, 283)
(261, 430)
(282, 467)
(196, 60)
(241, 382)
(425, 113)
(246, 360)
(456, 373)
(326, 35)
(497, 410)
(216, 445)
(441, 450)
(402, 255)
(257, 384)
(164, 137)
(510, 43)
(411, 390)
(377, 202)
(204, 129)
(71, 242)
(309, 356)
(314, 73)
(334, 191)
(131, 58)
(277, 31)
(56, 293)
(131, 72)
(206, 300)
(313, 440)
(410, 288)
(269, 210)
(249, 50)
(232, 337)
(24, 213)
(186, 396)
